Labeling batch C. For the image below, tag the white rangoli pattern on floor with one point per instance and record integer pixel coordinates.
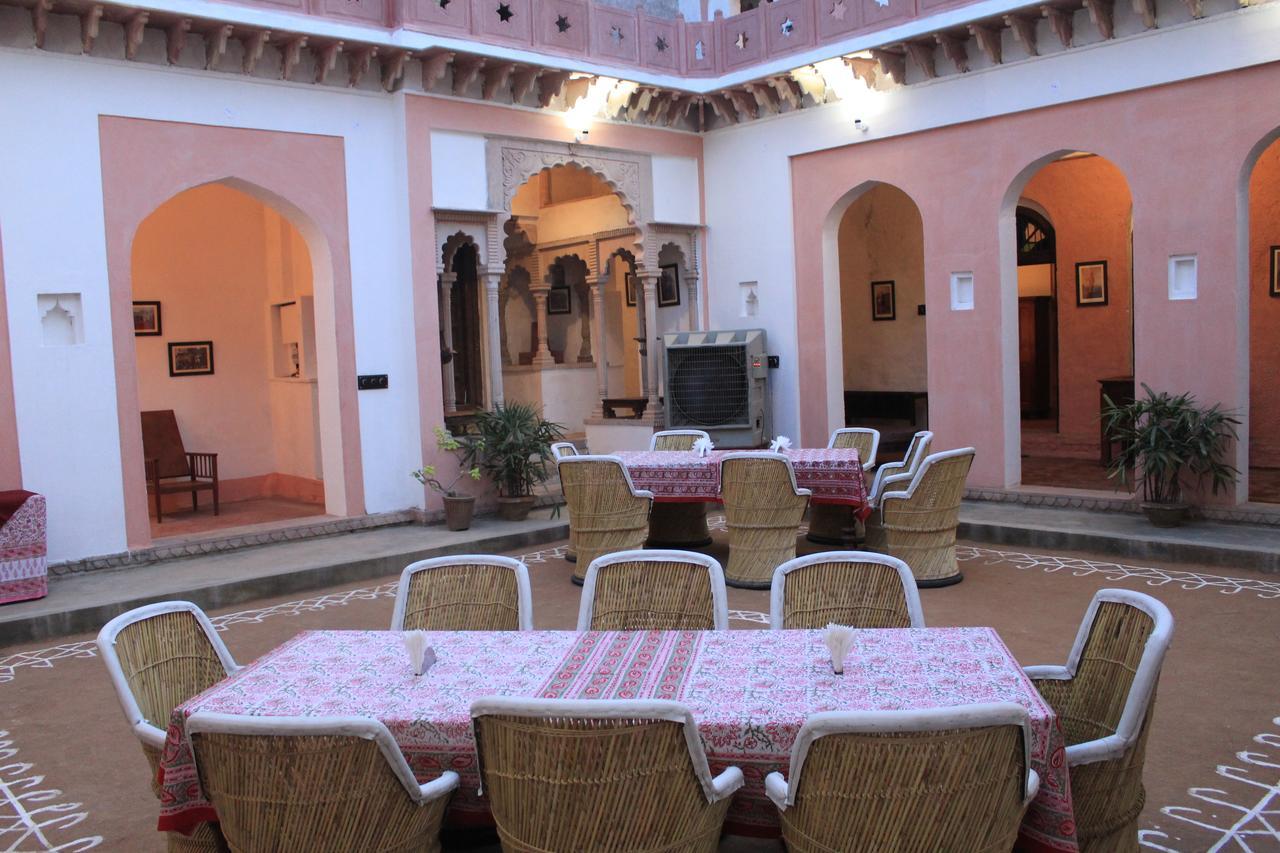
(32, 817)
(1238, 815)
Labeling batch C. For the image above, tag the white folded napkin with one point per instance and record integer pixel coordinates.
(839, 641)
(421, 656)
(781, 444)
(703, 446)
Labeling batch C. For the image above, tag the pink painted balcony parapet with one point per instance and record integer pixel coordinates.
(609, 35)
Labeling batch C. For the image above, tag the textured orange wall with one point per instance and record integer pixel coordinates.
(1264, 311)
(1088, 202)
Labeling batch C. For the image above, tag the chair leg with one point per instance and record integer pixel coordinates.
(159, 511)
(195, 500)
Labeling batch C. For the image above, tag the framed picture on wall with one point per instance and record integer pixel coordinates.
(629, 287)
(669, 285)
(884, 301)
(1091, 283)
(191, 358)
(146, 319)
(1275, 271)
(560, 300)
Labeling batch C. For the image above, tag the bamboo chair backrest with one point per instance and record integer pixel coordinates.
(932, 499)
(654, 591)
(561, 449)
(759, 482)
(863, 439)
(464, 593)
(855, 588)
(676, 439)
(917, 449)
(930, 780)
(606, 513)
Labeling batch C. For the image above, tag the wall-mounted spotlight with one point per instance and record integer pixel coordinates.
(861, 125)
(581, 135)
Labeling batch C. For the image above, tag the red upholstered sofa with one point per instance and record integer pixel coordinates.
(23, 565)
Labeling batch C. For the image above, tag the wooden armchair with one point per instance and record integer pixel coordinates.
(170, 468)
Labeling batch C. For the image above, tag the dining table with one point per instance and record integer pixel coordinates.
(749, 691)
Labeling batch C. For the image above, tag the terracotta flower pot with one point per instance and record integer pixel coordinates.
(458, 511)
(1165, 515)
(515, 509)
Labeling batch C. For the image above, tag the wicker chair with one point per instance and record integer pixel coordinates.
(854, 588)
(654, 591)
(561, 449)
(158, 657)
(917, 524)
(315, 783)
(937, 779)
(601, 775)
(891, 473)
(1104, 698)
(466, 593)
(606, 511)
(763, 509)
(862, 439)
(676, 439)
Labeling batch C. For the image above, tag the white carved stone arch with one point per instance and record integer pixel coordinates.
(450, 245)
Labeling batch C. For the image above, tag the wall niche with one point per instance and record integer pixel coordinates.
(61, 323)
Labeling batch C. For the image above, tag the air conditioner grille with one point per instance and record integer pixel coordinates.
(708, 386)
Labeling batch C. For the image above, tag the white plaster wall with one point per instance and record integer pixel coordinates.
(458, 174)
(675, 190)
(748, 170)
(51, 211)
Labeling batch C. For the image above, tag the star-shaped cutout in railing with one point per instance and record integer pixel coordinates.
(661, 44)
(504, 12)
(741, 41)
(443, 4)
(615, 33)
(838, 9)
(788, 27)
(562, 24)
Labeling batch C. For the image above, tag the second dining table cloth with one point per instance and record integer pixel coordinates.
(833, 474)
(750, 692)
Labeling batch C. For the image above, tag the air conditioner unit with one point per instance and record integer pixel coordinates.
(715, 381)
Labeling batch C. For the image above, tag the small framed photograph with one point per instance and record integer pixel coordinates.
(191, 358)
(560, 300)
(146, 319)
(629, 287)
(884, 302)
(1275, 271)
(1091, 283)
(669, 285)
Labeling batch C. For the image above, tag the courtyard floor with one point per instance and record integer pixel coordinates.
(73, 778)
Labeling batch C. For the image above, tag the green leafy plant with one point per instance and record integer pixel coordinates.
(1169, 440)
(464, 449)
(514, 447)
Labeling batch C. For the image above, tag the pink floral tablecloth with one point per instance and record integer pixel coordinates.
(23, 547)
(834, 475)
(750, 692)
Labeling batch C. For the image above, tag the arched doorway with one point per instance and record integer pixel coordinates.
(884, 364)
(1262, 177)
(1069, 265)
(225, 338)
(464, 342)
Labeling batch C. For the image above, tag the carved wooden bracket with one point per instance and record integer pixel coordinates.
(1147, 9)
(434, 65)
(788, 90)
(1196, 7)
(393, 69)
(1024, 31)
(954, 48)
(253, 45)
(215, 45)
(743, 103)
(723, 108)
(679, 110)
(326, 59)
(988, 39)
(90, 18)
(894, 64)
(290, 55)
(40, 20)
(522, 82)
(465, 70)
(1101, 13)
(549, 85)
(766, 98)
(176, 39)
(864, 69)
(922, 55)
(495, 78)
(358, 62)
(134, 30)
(1061, 21)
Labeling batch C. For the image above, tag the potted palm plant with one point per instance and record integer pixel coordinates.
(513, 449)
(458, 508)
(1170, 441)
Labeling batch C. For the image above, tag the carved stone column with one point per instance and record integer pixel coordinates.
(597, 284)
(640, 339)
(493, 336)
(504, 296)
(691, 284)
(542, 353)
(652, 365)
(584, 303)
(446, 331)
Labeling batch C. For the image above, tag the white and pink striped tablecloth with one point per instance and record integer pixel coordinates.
(834, 475)
(750, 692)
(23, 547)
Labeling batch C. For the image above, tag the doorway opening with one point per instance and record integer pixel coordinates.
(1264, 325)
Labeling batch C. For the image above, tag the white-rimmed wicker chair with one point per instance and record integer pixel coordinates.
(607, 512)
(654, 591)
(315, 783)
(159, 656)
(916, 521)
(676, 439)
(599, 775)
(561, 449)
(464, 593)
(1105, 698)
(862, 439)
(854, 588)
(937, 779)
(891, 473)
(763, 509)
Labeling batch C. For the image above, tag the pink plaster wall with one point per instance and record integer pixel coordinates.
(1264, 311)
(144, 164)
(10, 463)
(1088, 204)
(1184, 200)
